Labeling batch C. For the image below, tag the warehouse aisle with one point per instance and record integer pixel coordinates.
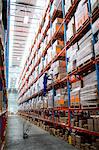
(38, 139)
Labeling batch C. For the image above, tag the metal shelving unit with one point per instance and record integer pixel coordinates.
(3, 113)
(93, 63)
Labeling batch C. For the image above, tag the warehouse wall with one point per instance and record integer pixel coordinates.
(12, 102)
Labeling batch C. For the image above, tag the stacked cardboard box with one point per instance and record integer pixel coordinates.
(68, 4)
(72, 56)
(88, 94)
(75, 93)
(90, 124)
(55, 7)
(71, 28)
(49, 54)
(96, 124)
(61, 98)
(94, 4)
(57, 47)
(85, 51)
(58, 67)
(95, 26)
(81, 14)
(82, 123)
(78, 141)
(56, 25)
(96, 46)
(45, 102)
(73, 138)
(50, 99)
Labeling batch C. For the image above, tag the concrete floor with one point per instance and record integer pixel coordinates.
(38, 139)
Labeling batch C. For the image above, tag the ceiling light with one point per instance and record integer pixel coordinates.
(26, 19)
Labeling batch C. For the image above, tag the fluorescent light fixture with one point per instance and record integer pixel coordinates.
(26, 19)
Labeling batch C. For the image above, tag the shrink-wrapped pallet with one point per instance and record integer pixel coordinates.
(88, 94)
(94, 4)
(81, 14)
(50, 99)
(59, 67)
(56, 25)
(68, 4)
(55, 7)
(95, 26)
(71, 57)
(61, 98)
(57, 47)
(85, 52)
(96, 46)
(70, 28)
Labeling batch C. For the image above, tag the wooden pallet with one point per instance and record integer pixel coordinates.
(84, 24)
(89, 105)
(85, 63)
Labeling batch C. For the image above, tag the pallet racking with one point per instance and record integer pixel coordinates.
(92, 64)
(3, 99)
(3, 74)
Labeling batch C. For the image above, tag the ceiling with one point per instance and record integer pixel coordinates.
(25, 16)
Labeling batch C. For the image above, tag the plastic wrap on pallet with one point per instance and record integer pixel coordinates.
(71, 28)
(90, 78)
(85, 51)
(58, 67)
(95, 26)
(56, 24)
(54, 7)
(94, 4)
(96, 46)
(50, 99)
(88, 94)
(61, 98)
(68, 4)
(75, 97)
(71, 56)
(49, 54)
(81, 14)
(45, 102)
(57, 47)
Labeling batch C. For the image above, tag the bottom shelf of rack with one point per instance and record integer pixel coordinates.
(62, 125)
(82, 130)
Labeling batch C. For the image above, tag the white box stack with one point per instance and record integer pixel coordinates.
(85, 51)
(88, 94)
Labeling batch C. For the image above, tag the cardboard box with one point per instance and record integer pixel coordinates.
(71, 56)
(96, 124)
(73, 138)
(81, 14)
(75, 97)
(56, 25)
(94, 4)
(70, 28)
(54, 7)
(78, 141)
(68, 4)
(85, 51)
(95, 26)
(90, 124)
(56, 48)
